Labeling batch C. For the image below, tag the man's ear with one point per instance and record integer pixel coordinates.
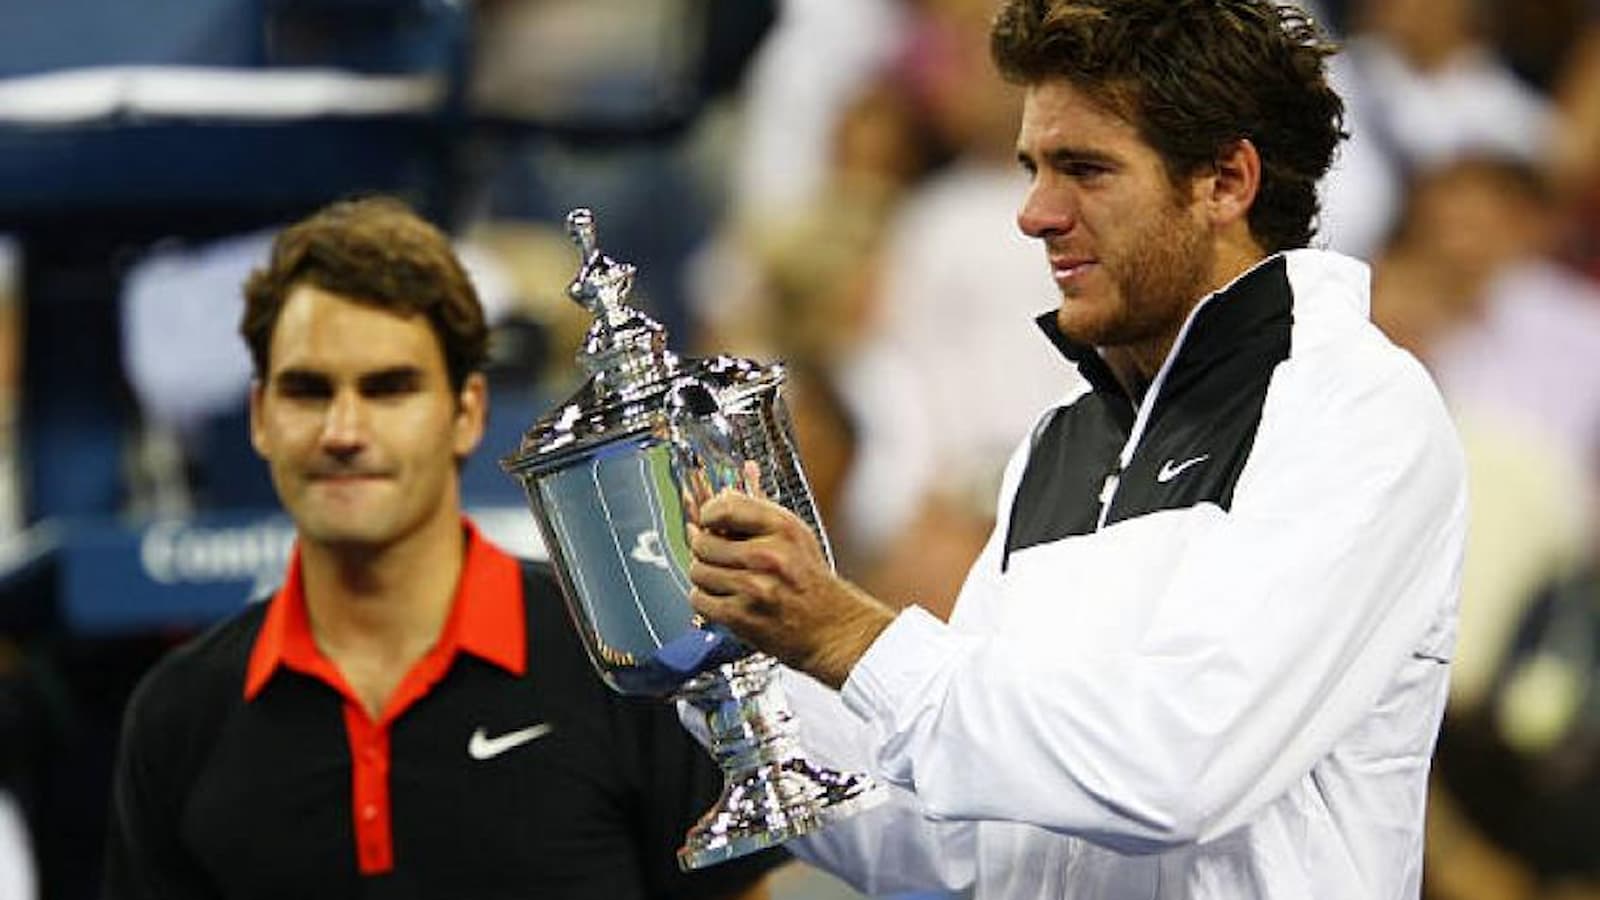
(472, 412)
(1231, 189)
(258, 436)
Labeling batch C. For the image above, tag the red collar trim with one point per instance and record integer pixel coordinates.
(487, 619)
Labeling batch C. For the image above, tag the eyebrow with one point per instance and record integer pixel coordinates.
(402, 377)
(394, 378)
(299, 378)
(1060, 155)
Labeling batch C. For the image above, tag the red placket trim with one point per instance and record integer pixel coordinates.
(490, 627)
(369, 791)
(370, 808)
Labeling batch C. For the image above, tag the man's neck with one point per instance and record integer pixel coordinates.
(1129, 372)
(379, 610)
(1136, 364)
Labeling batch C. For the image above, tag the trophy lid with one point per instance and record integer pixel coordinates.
(630, 368)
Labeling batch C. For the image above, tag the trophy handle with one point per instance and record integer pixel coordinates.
(773, 792)
(705, 453)
(705, 459)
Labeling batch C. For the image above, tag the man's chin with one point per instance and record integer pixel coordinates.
(1084, 325)
(342, 535)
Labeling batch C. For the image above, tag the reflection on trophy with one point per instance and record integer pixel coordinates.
(611, 475)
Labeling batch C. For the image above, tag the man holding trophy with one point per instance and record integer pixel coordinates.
(1205, 652)
(411, 715)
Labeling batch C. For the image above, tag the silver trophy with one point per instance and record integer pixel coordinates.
(610, 475)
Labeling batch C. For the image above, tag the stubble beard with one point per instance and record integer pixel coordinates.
(362, 528)
(1157, 282)
(346, 533)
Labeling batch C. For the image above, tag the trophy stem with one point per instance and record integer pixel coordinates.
(772, 792)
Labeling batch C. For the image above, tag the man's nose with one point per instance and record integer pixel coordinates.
(344, 428)
(1046, 211)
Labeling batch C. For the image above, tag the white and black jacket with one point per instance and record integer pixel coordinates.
(1205, 652)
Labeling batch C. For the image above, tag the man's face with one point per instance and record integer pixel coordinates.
(1130, 253)
(358, 423)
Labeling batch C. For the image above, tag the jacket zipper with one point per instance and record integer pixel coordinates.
(1108, 490)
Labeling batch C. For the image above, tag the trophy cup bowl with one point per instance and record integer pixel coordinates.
(610, 476)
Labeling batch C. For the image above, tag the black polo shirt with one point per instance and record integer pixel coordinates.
(501, 768)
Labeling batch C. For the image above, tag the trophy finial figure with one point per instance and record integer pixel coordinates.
(580, 226)
(602, 284)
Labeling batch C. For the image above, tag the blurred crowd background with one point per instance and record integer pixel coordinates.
(826, 182)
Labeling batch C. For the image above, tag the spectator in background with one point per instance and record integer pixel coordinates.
(1516, 804)
(635, 83)
(1439, 86)
(411, 714)
(1422, 85)
(1575, 162)
(804, 283)
(820, 303)
(1468, 284)
(1538, 40)
(812, 69)
(1526, 328)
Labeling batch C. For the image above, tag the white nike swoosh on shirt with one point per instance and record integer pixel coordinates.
(1170, 471)
(481, 746)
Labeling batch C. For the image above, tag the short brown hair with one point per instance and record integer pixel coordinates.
(373, 250)
(1193, 76)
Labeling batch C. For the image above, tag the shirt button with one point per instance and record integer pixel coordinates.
(369, 812)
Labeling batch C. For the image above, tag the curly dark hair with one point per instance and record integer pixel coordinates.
(373, 250)
(1192, 77)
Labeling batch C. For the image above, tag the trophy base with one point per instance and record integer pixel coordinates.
(772, 792)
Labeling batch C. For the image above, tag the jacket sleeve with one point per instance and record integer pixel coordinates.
(1161, 681)
(896, 846)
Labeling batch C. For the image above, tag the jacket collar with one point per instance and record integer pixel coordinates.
(1221, 319)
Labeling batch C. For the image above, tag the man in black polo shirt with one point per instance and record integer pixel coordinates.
(411, 714)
